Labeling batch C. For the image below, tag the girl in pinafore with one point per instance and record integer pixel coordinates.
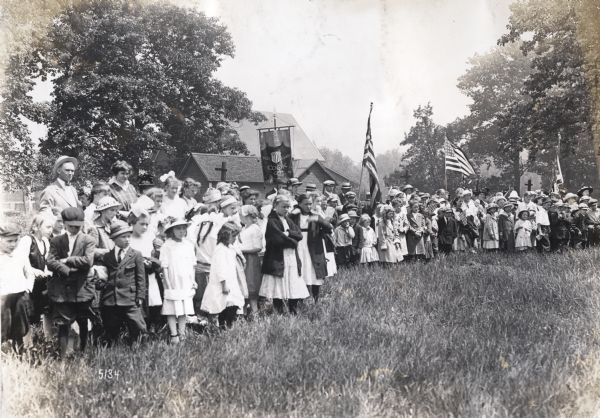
(491, 238)
(225, 290)
(387, 237)
(281, 265)
(251, 243)
(177, 259)
(368, 245)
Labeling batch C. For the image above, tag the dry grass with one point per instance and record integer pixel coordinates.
(468, 336)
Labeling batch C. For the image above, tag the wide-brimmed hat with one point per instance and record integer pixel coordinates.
(491, 206)
(211, 196)
(9, 229)
(119, 228)
(329, 183)
(583, 189)
(570, 196)
(584, 198)
(242, 188)
(311, 187)
(593, 202)
(393, 192)
(352, 214)
(60, 161)
(294, 182)
(73, 216)
(406, 187)
(508, 205)
(513, 195)
(343, 217)
(466, 192)
(107, 202)
(350, 194)
(583, 206)
(346, 185)
(523, 211)
(229, 200)
(176, 222)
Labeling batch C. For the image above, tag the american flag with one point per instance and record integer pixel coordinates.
(369, 163)
(456, 160)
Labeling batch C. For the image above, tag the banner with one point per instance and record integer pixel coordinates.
(276, 154)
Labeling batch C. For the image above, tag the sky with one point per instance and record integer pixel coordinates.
(324, 61)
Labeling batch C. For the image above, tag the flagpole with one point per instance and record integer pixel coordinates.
(362, 163)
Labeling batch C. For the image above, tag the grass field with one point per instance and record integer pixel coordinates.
(472, 336)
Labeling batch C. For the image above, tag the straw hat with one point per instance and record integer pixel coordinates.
(107, 202)
(343, 218)
(60, 161)
(229, 200)
(176, 222)
(211, 196)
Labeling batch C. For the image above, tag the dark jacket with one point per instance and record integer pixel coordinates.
(447, 229)
(72, 281)
(316, 232)
(276, 241)
(506, 232)
(126, 280)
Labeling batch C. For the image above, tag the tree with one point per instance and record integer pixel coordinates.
(494, 82)
(341, 163)
(130, 79)
(559, 101)
(424, 157)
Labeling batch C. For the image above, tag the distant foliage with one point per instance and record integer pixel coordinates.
(341, 163)
(128, 79)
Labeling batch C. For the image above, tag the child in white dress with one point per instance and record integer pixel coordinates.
(368, 250)
(177, 259)
(224, 293)
(172, 205)
(523, 228)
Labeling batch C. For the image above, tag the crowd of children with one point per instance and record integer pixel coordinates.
(161, 259)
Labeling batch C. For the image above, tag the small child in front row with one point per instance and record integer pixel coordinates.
(523, 228)
(224, 293)
(342, 237)
(368, 244)
(178, 259)
(124, 291)
(16, 281)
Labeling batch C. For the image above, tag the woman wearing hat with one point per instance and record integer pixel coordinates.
(415, 236)
(281, 266)
(120, 187)
(99, 190)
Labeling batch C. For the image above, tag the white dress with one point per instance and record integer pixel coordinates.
(179, 259)
(308, 269)
(176, 208)
(143, 244)
(222, 269)
(291, 285)
(368, 253)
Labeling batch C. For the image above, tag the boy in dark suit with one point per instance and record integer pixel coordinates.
(124, 291)
(71, 287)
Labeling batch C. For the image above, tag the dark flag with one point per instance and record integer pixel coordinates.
(276, 154)
(369, 163)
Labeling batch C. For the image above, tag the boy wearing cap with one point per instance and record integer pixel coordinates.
(593, 221)
(16, 282)
(342, 238)
(124, 291)
(71, 288)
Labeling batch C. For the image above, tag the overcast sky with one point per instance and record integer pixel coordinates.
(325, 60)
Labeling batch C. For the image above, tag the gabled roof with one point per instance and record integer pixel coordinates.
(240, 168)
(301, 166)
(302, 146)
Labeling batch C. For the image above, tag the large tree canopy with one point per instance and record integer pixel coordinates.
(129, 79)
